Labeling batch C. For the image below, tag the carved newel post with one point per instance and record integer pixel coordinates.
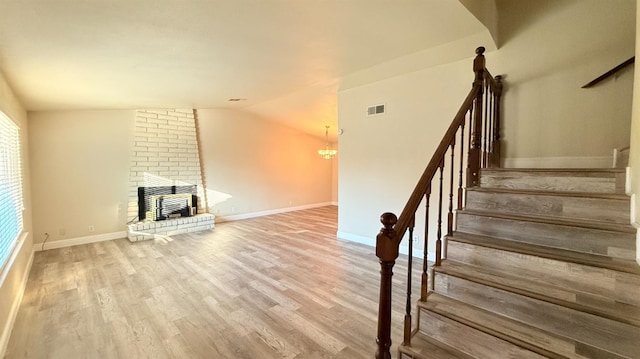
(475, 151)
(387, 252)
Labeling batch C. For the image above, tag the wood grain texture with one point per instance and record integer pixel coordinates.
(543, 260)
(619, 340)
(577, 238)
(605, 208)
(279, 286)
(594, 181)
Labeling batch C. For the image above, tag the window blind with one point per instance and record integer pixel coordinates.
(11, 204)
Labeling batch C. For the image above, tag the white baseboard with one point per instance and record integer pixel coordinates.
(237, 217)
(15, 306)
(79, 240)
(559, 162)
(372, 243)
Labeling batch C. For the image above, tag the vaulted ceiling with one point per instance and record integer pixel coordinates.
(284, 58)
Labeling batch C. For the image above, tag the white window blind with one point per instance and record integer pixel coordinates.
(11, 204)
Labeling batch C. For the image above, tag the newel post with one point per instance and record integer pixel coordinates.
(387, 252)
(475, 151)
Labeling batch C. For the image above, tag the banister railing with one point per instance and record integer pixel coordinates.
(481, 110)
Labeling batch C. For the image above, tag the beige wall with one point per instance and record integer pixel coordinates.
(634, 156)
(262, 165)
(80, 167)
(550, 49)
(334, 175)
(382, 156)
(16, 273)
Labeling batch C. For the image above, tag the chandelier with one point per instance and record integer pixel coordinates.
(327, 153)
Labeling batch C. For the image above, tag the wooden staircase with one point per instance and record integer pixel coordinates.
(541, 265)
(529, 263)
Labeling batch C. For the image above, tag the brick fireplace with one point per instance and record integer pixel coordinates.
(165, 154)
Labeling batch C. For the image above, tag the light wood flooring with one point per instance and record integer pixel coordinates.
(279, 286)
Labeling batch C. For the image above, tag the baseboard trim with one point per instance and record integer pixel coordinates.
(334, 203)
(237, 217)
(559, 162)
(371, 242)
(13, 313)
(37, 247)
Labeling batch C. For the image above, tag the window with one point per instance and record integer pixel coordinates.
(11, 205)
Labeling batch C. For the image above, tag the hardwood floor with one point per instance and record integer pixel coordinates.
(279, 286)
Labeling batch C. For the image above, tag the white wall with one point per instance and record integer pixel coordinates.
(262, 165)
(13, 277)
(80, 167)
(550, 49)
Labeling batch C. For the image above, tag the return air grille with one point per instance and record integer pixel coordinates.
(375, 110)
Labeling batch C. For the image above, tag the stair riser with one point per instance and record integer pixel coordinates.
(594, 282)
(586, 240)
(468, 341)
(594, 334)
(583, 208)
(533, 339)
(589, 182)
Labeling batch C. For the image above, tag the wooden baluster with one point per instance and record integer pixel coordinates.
(475, 148)
(490, 96)
(439, 233)
(407, 316)
(485, 122)
(496, 124)
(387, 252)
(460, 193)
(425, 265)
(451, 176)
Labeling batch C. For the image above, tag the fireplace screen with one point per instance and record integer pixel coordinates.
(160, 203)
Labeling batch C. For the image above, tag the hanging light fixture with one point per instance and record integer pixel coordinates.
(327, 152)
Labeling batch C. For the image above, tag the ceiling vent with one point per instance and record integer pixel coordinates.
(375, 110)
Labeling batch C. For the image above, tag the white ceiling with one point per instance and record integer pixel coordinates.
(286, 57)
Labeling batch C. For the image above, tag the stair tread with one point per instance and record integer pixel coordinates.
(619, 244)
(468, 342)
(624, 265)
(534, 339)
(611, 170)
(569, 205)
(613, 196)
(424, 347)
(523, 283)
(601, 337)
(593, 224)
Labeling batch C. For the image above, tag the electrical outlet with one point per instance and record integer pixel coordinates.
(416, 240)
(62, 231)
(92, 228)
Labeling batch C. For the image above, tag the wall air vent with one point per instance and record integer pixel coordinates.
(375, 110)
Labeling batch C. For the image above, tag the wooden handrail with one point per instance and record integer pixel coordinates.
(425, 180)
(482, 106)
(610, 73)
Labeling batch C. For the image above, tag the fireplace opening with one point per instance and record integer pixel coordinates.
(165, 202)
